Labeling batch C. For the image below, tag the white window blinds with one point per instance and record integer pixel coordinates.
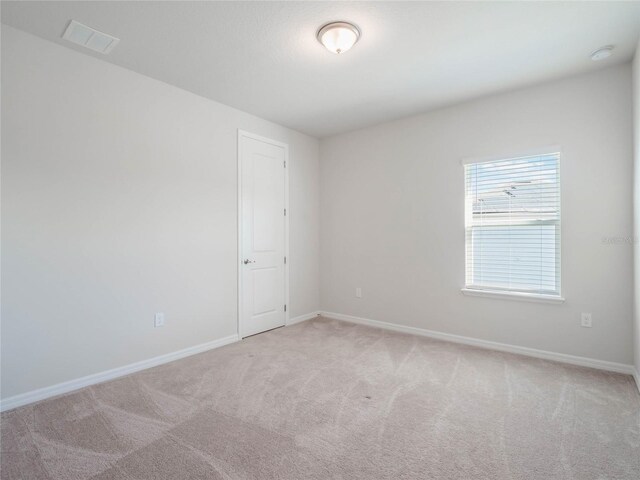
(512, 222)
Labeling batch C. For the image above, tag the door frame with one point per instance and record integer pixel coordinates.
(244, 134)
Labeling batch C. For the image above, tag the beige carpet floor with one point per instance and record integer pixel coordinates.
(331, 400)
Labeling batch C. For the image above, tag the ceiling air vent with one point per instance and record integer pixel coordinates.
(87, 37)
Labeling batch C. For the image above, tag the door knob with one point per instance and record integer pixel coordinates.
(246, 260)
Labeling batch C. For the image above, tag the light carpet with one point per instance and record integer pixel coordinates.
(331, 400)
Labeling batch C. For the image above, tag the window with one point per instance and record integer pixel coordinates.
(512, 223)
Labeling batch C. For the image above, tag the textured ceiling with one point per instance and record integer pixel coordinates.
(262, 57)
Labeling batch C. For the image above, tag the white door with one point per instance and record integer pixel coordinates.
(263, 234)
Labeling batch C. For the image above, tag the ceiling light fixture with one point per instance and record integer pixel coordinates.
(91, 38)
(338, 37)
(602, 53)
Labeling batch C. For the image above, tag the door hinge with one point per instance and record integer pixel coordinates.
(285, 164)
(285, 259)
(285, 211)
(285, 308)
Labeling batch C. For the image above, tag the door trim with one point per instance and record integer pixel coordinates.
(245, 134)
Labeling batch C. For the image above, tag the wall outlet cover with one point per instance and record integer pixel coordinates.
(159, 320)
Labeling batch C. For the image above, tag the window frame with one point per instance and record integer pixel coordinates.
(513, 294)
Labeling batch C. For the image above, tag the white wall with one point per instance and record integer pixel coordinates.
(119, 200)
(392, 216)
(636, 210)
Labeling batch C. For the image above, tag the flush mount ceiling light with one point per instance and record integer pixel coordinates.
(90, 38)
(338, 37)
(602, 53)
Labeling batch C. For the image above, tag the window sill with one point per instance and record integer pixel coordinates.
(525, 297)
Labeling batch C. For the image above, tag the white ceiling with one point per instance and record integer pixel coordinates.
(263, 57)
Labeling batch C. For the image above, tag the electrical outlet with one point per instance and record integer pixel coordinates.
(358, 292)
(159, 320)
(585, 320)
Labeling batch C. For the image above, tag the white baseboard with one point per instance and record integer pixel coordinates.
(502, 347)
(71, 385)
(303, 318)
